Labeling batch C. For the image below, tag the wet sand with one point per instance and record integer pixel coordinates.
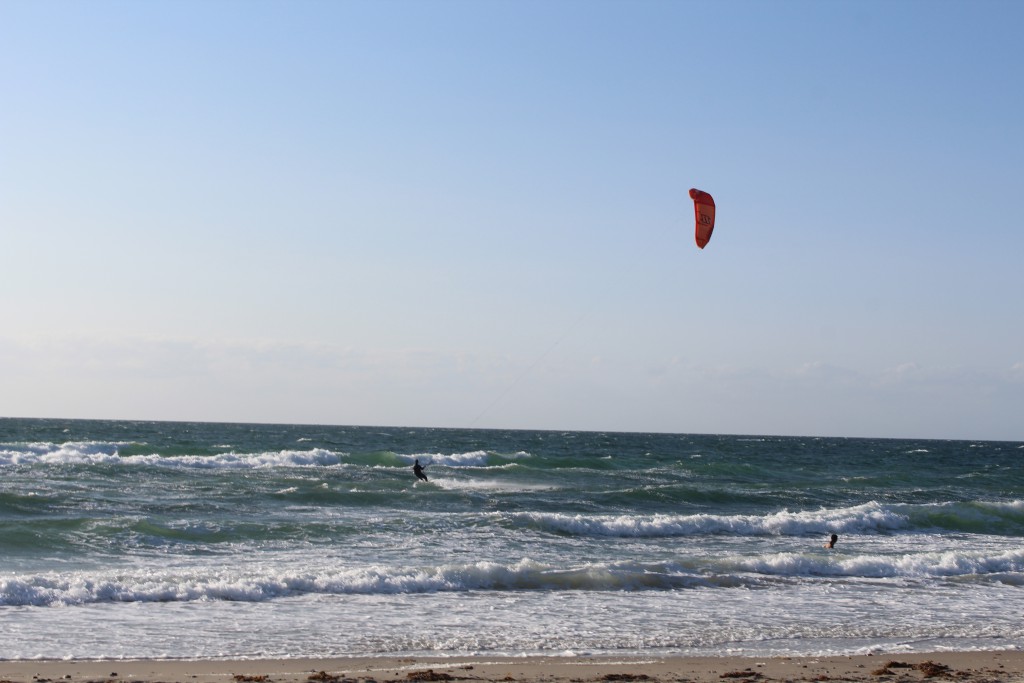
(976, 667)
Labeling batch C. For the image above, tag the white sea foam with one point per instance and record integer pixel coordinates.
(469, 459)
(261, 583)
(904, 566)
(105, 453)
(495, 485)
(81, 452)
(861, 518)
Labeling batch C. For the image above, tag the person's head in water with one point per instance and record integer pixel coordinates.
(832, 541)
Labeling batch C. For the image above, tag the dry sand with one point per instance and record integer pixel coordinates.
(937, 667)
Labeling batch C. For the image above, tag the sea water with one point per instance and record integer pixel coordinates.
(190, 540)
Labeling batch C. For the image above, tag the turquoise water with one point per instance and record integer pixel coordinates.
(191, 540)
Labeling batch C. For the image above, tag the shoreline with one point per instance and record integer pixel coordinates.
(998, 666)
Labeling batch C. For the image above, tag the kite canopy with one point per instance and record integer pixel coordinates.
(704, 212)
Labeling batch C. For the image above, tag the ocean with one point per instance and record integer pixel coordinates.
(123, 539)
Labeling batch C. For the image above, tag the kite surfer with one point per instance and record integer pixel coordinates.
(417, 469)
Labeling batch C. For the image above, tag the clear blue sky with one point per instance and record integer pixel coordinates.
(455, 213)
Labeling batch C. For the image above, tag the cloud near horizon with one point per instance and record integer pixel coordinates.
(264, 380)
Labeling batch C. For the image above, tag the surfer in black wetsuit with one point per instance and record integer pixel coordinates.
(417, 469)
(832, 542)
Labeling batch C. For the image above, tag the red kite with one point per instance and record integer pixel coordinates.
(704, 212)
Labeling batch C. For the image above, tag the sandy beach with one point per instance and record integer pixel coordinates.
(960, 666)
